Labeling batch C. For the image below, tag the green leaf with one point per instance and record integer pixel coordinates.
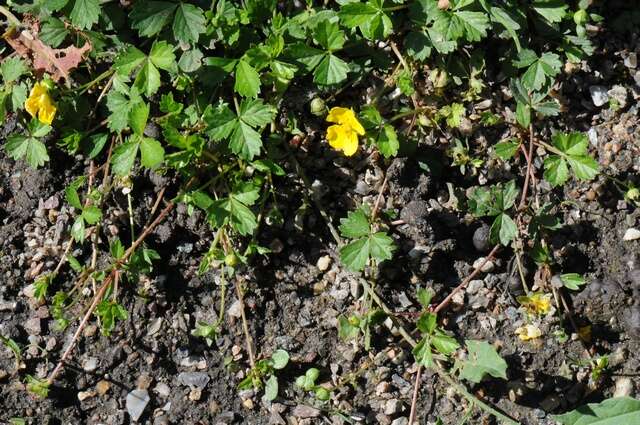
(370, 17)
(346, 330)
(148, 79)
(572, 281)
(355, 254)
(539, 70)
(151, 153)
(422, 352)
(221, 122)
(149, 17)
(503, 230)
(77, 229)
(242, 218)
(425, 296)
(329, 35)
(256, 113)
(483, 359)
(387, 141)
(124, 157)
(162, 56)
(427, 323)
(573, 149)
(245, 141)
(381, 246)
(475, 24)
(271, 388)
(53, 32)
(356, 225)
(444, 344)
(191, 60)
(280, 359)
(85, 13)
(507, 149)
(551, 10)
(91, 214)
(119, 106)
(188, 23)
(29, 148)
(331, 70)
(12, 68)
(247, 80)
(138, 118)
(613, 411)
(128, 61)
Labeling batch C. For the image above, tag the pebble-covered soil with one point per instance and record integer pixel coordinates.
(153, 371)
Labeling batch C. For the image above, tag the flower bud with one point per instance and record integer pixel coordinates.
(318, 108)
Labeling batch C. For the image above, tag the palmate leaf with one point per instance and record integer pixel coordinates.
(573, 149)
(539, 69)
(188, 23)
(85, 13)
(331, 70)
(370, 17)
(552, 10)
(356, 254)
(149, 17)
(247, 80)
(613, 411)
(27, 147)
(483, 359)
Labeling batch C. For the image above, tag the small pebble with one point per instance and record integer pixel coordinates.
(102, 387)
(486, 268)
(631, 234)
(303, 411)
(599, 95)
(624, 387)
(136, 402)
(83, 395)
(323, 263)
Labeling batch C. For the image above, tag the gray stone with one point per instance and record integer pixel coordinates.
(303, 411)
(474, 286)
(624, 387)
(631, 234)
(323, 263)
(619, 93)
(137, 400)
(33, 326)
(193, 379)
(392, 407)
(631, 61)
(162, 389)
(599, 95)
(481, 238)
(486, 267)
(90, 364)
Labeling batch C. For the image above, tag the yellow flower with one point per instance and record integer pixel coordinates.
(40, 104)
(537, 303)
(528, 332)
(344, 134)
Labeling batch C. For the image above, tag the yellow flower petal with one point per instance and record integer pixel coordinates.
(342, 137)
(32, 104)
(47, 110)
(338, 114)
(351, 144)
(39, 104)
(528, 332)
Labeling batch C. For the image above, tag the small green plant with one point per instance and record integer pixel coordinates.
(495, 202)
(308, 383)
(37, 386)
(367, 244)
(263, 374)
(14, 347)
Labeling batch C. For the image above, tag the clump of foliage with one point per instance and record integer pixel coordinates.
(202, 91)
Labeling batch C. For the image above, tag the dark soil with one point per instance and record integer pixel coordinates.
(293, 305)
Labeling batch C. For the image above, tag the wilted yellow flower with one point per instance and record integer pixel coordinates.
(528, 332)
(344, 134)
(537, 303)
(39, 104)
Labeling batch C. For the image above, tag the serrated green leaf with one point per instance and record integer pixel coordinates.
(613, 411)
(151, 153)
(221, 121)
(85, 13)
(355, 225)
(329, 35)
(12, 68)
(149, 17)
(138, 116)
(355, 254)
(247, 82)
(162, 56)
(128, 61)
(256, 113)
(31, 149)
(245, 141)
(77, 229)
(443, 343)
(551, 10)
(242, 218)
(188, 23)
(123, 158)
(387, 141)
(53, 32)
(482, 359)
(556, 171)
(503, 230)
(331, 70)
(119, 107)
(507, 149)
(381, 246)
(91, 214)
(148, 79)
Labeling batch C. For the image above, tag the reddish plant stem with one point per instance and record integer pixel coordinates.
(98, 296)
(414, 399)
(464, 283)
(523, 199)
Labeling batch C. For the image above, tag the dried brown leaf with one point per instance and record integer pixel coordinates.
(57, 62)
